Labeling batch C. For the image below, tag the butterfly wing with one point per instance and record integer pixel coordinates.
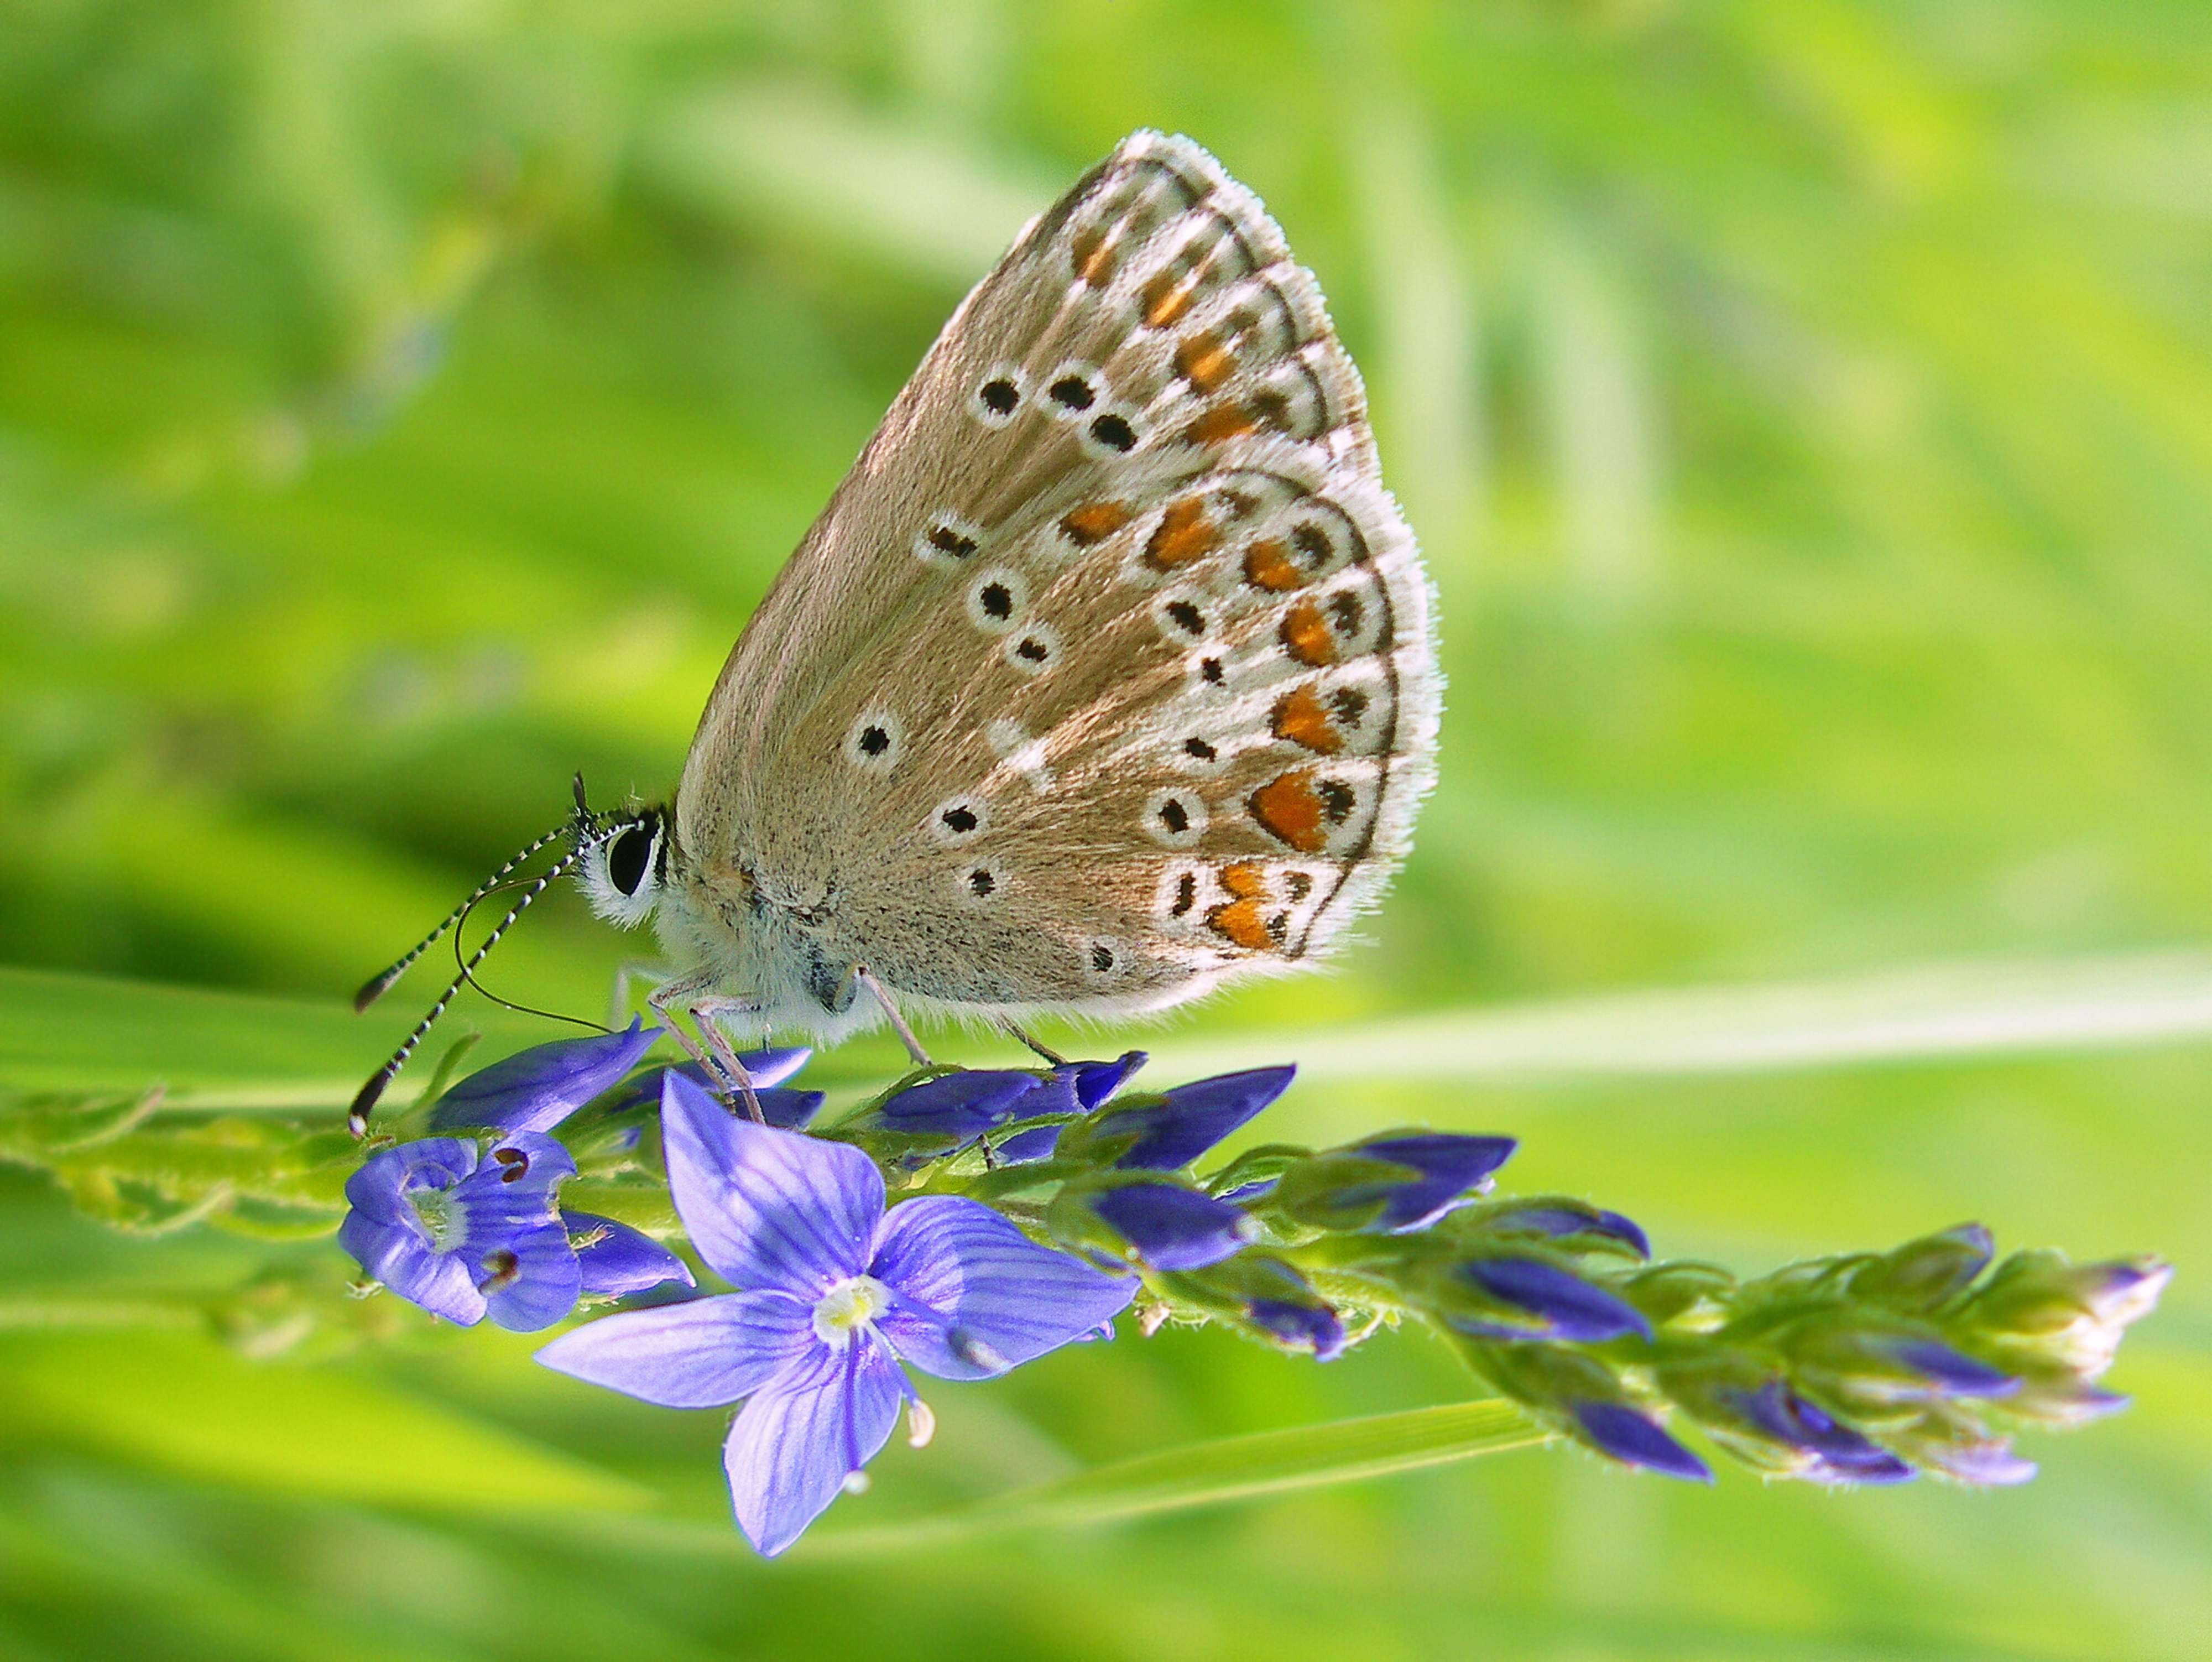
(1107, 672)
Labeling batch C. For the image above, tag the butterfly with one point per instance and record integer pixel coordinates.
(1105, 678)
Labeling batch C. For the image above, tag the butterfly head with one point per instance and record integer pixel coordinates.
(623, 864)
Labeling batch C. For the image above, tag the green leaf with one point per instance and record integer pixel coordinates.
(1214, 1473)
(81, 1035)
(191, 1406)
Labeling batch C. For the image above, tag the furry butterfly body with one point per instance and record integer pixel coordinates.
(1105, 676)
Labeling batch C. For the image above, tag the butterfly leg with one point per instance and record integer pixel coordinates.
(695, 995)
(629, 970)
(881, 994)
(1012, 1029)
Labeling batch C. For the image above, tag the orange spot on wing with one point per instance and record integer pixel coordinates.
(1204, 362)
(1301, 717)
(1221, 424)
(1269, 565)
(1167, 297)
(1094, 522)
(1185, 534)
(1289, 807)
(1241, 923)
(1245, 880)
(1307, 636)
(1094, 257)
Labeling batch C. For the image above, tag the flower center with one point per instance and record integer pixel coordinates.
(443, 1218)
(849, 1304)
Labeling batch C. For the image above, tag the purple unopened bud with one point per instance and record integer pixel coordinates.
(1191, 1118)
(1566, 1306)
(1172, 1227)
(1619, 1430)
(961, 1106)
(1839, 1455)
(1024, 1147)
(535, 1090)
(1560, 1222)
(1948, 1374)
(616, 1259)
(1986, 1462)
(1094, 1081)
(1297, 1326)
(1449, 1167)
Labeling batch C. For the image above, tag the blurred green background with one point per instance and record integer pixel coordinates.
(1806, 409)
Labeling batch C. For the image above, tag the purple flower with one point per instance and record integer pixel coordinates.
(1562, 1222)
(1619, 1430)
(1946, 1372)
(1074, 1087)
(794, 1111)
(1170, 1228)
(535, 1090)
(1187, 1121)
(835, 1293)
(467, 1231)
(1447, 1168)
(1563, 1304)
(1282, 1303)
(953, 1109)
(1832, 1453)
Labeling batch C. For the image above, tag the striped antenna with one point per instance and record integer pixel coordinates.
(357, 1116)
(377, 985)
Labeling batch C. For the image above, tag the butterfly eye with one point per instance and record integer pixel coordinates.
(622, 873)
(627, 858)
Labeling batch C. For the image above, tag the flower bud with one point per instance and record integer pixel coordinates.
(1398, 1183)
(1169, 1134)
(1163, 1226)
(1577, 1227)
(1527, 1298)
(947, 1113)
(1922, 1275)
(535, 1090)
(1637, 1440)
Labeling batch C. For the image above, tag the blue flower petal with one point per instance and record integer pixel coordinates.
(1172, 1227)
(513, 1188)
(699, 1354)
(994, 1299)
(378, 1189)
(798, 1438)
(401, 1259)
(1570, 1307)
(1626, 1435)
(536, 1089)
(1191, 1118)
(614, 1258)
(531, 1281)
(768, 1209)
(1990, 1464)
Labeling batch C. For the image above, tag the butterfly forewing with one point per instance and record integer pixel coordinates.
(1106, 672)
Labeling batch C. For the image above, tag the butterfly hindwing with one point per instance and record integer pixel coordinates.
(1106, 672)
